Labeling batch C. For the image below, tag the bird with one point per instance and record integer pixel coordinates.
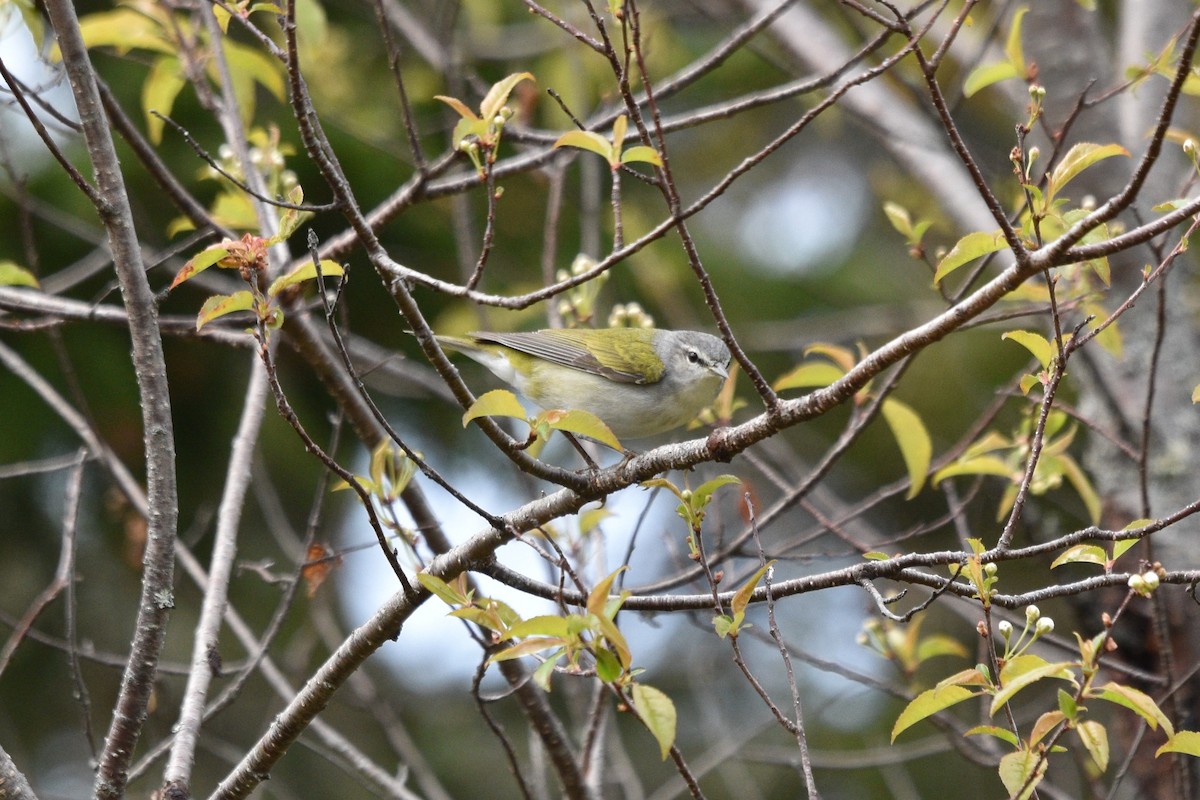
(639, 381)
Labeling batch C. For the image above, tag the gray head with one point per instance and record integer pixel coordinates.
(693, 357)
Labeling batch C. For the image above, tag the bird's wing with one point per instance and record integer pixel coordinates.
(602, 354)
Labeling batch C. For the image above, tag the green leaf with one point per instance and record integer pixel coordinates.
(741, 598)
(913, 439)
(292, 218)
(543, 625)
(1121, 546)
(1017, 769)
(1024, 671)
(459, 107)
(497, 96)
(496, 403)
(256, 67)
(584, 423)
(985, 75)
(608, 667)
(1076, 160)
(983, 465)
(811, 373)
(1137, 701)
(1035, 343)
(442, 590)
(1186, 742)
(525, 648)
(1067, 704)
(162, 86)
(597, 601)
(587, 140)
(1196, 394)
(899, 217)
(1012, 47)
(1045, 724)
(723, 624)
(541, 675)
(939, 645)
(928, 703)
(200, 262)
(1002, 734)
(967, 249)
(641, 153)
(222, 304)
(1095, 741)
(305, 272)
(123, 29)
(12, 274)
(1082, 554)
(702, 494)
(657, 713)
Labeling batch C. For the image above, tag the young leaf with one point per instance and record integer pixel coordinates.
(497, 96)
(544, 625)
(643, 154)
(811, 373)
(741, 599)
(598, 597)
(608, 667)
(702, 494)
(1045, 723)
(1187, 742)
(1017, 676)
(587, 140)
(1081, 554)
(440, 589)
(1017, 770)
(496, 403)
(222, 304)
(305, 272)
(582, 422)
(1035, 343)
(657, 713)
(983, 465)
(200, 262)
(928, 703)
(985, 75)
(913, 439)
(1003, 734)
(13, 275)
(1095, 741)
(1077, 159)
(967, 249)
(525, 648)
(459, 107)
(1137, 701)
(163, 84)
(1012, 47)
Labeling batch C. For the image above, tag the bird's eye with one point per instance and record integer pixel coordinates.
(693, 357)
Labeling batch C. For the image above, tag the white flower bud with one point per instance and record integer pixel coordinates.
(1150, 580)
(1044, 625)
(1006, 629)
(1032, 613)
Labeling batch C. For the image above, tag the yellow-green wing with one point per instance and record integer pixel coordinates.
(625, 355)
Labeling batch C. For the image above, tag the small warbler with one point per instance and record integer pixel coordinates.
(638, 381)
